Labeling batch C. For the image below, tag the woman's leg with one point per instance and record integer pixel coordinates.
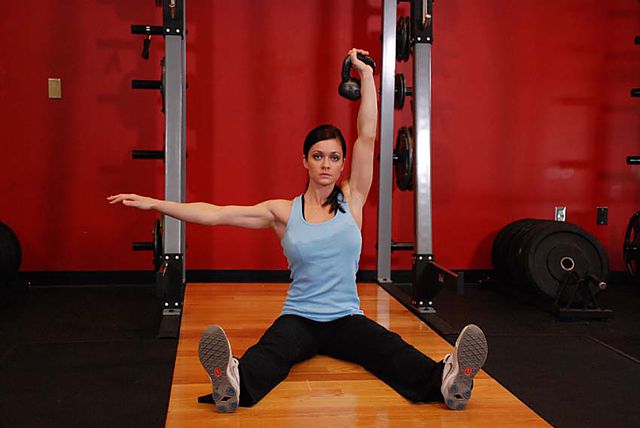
(360, 340)
(290, 340)
(412, 374)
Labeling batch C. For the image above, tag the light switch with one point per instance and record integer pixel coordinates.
(55, 88)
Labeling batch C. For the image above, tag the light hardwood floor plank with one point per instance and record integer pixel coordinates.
(321, 392)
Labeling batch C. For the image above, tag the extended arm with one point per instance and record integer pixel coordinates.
(362, 160)
(257, 216)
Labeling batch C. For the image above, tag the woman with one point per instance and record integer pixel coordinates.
(321, 238)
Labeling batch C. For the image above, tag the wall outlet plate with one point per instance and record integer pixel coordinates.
(602, 216)
(55, 88)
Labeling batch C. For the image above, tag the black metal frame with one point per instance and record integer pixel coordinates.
(582, 303)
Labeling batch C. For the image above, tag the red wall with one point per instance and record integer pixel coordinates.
(530, 110)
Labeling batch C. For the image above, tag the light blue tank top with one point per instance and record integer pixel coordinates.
(323, 259)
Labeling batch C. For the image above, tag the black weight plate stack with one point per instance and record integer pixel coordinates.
(10, 255)
(501, 244)
(554, 250)
(403, 158)
(543, 254)
(519, 259)
(631, 249)
(513, 250)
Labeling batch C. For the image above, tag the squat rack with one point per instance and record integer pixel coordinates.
(170, 274)
(427, 277)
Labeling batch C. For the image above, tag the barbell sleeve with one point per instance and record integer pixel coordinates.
(147, 154)
(146, 84)
(633, 160)
(142, 246)
(153, 30)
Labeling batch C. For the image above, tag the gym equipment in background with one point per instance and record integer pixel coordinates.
(403, 38)
(559, 259)
(412, 157)
(631, 246)
(169, 236)
(403, 159)
(401, 91)
(10, 255)
(155, 245)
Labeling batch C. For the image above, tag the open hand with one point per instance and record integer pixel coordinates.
(133, 200)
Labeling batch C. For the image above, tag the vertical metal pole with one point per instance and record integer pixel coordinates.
(422, 29)
(428, 277)
(172, 275)
(422, 138)
(175, 138)
(183, 145)
(389, 14)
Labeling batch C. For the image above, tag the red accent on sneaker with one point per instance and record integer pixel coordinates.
(467, 371)
(217, 372)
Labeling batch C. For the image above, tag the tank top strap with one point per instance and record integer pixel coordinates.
(296, 210)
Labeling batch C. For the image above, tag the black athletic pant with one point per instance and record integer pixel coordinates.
(292, 339)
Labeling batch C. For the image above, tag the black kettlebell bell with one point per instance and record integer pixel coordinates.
(350, 86)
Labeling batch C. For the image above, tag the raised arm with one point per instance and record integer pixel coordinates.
(263, 215)
(362, 158)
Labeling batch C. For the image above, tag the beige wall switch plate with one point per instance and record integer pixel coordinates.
(55, 88)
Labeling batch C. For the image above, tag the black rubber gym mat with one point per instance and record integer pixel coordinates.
(569, 381)
(508, 310)
(102, 384)
(84, 357)
(573, 374)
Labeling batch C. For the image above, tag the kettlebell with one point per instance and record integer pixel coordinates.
(350, 86)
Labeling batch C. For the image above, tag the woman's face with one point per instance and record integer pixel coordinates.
(325, 162)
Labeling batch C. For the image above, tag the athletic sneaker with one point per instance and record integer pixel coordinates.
(216, 358)
(461, 366)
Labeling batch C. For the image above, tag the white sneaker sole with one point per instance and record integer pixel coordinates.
(468, 358)
(215, 356)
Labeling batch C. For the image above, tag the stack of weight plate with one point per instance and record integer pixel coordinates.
(543, 254)
(10, 255)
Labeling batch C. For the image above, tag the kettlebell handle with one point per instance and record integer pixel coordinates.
(346, 65)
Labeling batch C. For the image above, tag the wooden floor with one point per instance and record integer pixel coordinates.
(321, 392)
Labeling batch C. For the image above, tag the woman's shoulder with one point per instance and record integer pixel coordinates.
(346, 191)
(354, 204)
(277, 204)
(280, 208)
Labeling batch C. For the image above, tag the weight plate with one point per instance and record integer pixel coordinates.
(407, 42)
(500, 245)
(513, 250)
(10, 254)
(157, 245)
(567, 257)
(399, 39)
(403, 159)
(522, 247)
(399, 92)
(403, 38)
(631, 248)
(556, 250)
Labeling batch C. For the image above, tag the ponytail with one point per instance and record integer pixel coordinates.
(333, 200)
